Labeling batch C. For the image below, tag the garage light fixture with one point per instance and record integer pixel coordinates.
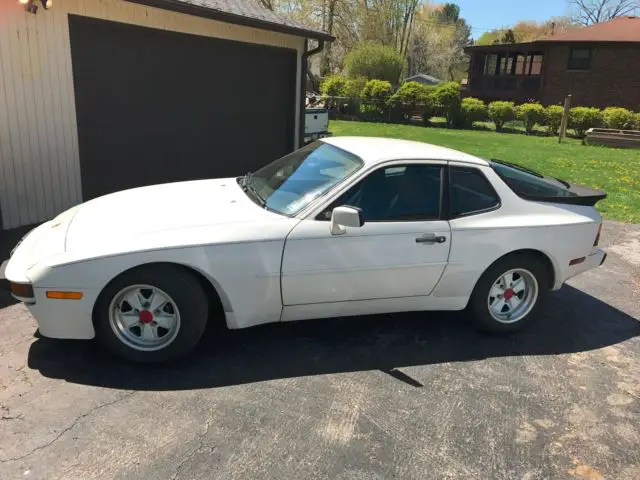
(32, 6)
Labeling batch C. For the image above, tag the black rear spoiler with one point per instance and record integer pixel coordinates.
(581, 196)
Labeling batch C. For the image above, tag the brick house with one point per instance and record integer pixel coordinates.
(598, 65)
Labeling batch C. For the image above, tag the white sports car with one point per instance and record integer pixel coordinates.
(343, 226)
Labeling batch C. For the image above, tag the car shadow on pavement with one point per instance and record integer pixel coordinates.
(572, 321)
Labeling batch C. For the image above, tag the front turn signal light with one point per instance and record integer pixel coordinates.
(64, 295)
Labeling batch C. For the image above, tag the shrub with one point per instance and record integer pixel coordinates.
(617, 117)
(473, 110)
(582, 119)
(410, 93)
(375, 95)
(447, 97)
(376, 91)
(531, 114)
(635, 123)
(501, 112)
(353, 87)
(373, 60)
(553, 118)
(407, 98)
(334, 86)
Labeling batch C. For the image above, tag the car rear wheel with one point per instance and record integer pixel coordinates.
(509, 293)
(152, 314)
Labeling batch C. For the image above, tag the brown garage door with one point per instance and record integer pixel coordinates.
(156, 106)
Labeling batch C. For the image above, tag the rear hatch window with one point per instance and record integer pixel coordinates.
(532, 185)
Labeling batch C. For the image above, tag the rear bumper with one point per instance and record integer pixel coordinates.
(603, 258)
(593, 260)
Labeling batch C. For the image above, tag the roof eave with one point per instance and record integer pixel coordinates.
(199, 11)
(502, 46)
(575, 40)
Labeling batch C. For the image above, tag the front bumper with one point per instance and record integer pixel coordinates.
(3, 268)
(64, 318)
(56, 318)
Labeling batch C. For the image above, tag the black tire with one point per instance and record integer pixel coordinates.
(478, 303)
(185, 291)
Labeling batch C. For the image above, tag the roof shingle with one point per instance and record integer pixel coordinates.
(620, 29)
(243, 12)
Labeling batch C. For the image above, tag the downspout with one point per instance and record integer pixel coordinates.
(303, 84)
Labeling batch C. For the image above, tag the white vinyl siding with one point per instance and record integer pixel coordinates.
(39, 159)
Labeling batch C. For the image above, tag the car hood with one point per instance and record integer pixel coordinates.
(159, 212)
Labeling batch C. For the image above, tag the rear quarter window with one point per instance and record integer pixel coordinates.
(470, 192)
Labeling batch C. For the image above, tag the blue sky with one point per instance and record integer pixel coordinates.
(487, 14)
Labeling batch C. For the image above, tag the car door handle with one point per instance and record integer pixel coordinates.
(431, 238)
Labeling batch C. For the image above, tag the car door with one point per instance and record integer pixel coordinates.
(401, 250)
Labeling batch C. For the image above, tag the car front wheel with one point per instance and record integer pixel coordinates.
(152, 314)
(509, 293)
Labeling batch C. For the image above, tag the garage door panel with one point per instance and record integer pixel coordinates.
(156, 106)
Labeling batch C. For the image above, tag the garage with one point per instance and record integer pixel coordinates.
(156, 106)
(98, 96)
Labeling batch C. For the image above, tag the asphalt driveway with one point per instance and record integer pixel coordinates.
(395, 396)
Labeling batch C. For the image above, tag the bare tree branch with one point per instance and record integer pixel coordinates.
(589, 12)
(266, 4)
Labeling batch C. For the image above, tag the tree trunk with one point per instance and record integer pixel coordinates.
(325, 65)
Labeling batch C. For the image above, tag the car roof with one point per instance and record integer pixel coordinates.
(374, 150)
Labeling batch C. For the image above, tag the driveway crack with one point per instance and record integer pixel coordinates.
(193, 452)
(68, 428)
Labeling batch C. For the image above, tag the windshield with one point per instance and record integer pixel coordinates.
(292, 182)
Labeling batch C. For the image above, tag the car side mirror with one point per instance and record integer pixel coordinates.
(345, 216)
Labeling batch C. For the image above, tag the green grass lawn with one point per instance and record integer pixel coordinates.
(615, 171)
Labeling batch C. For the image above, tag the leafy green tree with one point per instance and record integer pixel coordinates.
(373, 60)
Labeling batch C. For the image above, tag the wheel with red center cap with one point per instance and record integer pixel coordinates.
(152, 314)
(509, 292)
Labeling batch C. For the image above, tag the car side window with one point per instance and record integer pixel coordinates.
(395, 193)
(470, 192)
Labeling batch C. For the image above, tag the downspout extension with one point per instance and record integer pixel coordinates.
(303, 84)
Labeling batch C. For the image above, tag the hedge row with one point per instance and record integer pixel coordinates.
(377, 100)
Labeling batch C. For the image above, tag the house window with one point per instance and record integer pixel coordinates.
(579, 58)
(536, 64)
(507, 65)
(491, 64)
(521, 61)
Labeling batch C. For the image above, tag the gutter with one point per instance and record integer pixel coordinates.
(303, 82)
